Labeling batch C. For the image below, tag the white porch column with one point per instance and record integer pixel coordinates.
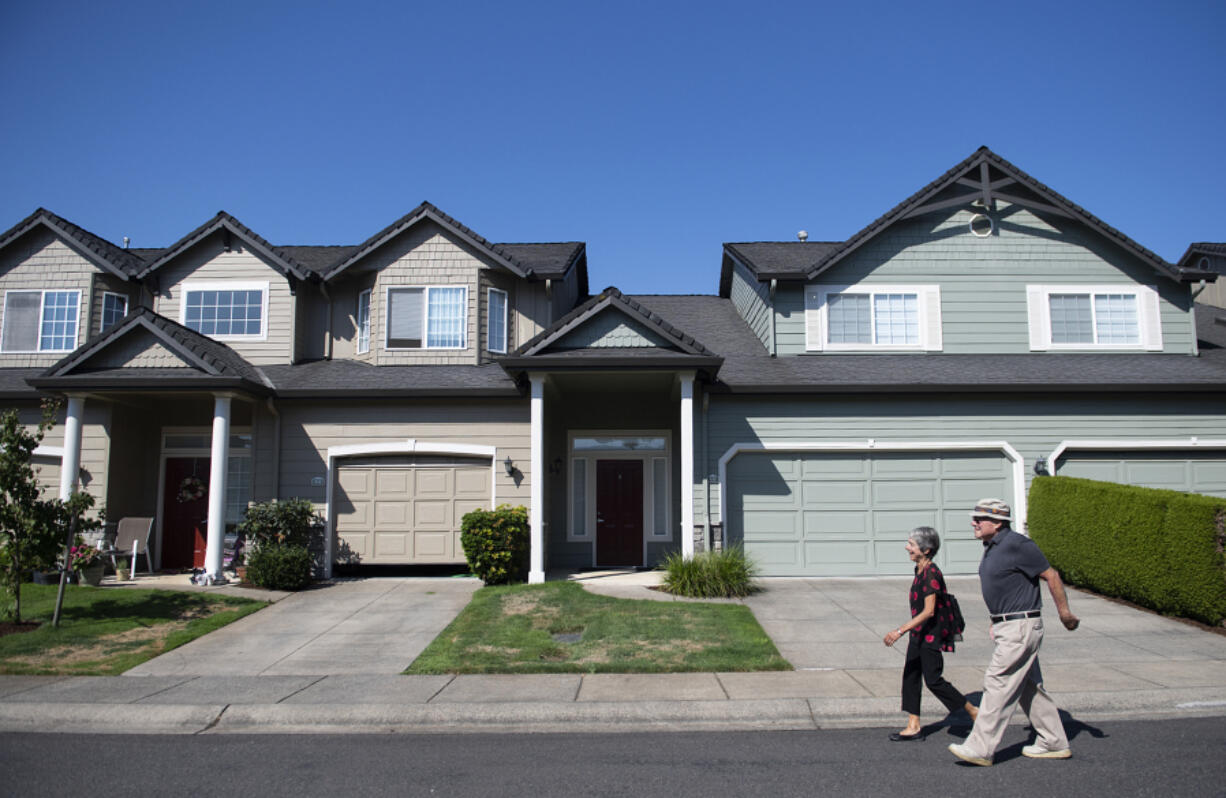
(536, 513)
(219, 457)
(687, 463)
(70, 465)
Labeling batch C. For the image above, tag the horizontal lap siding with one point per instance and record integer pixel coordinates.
(208, 262)
(983, 280)
(43, 262)
(308, 431)
(95, 447)
(1034, 425)
(750, 298)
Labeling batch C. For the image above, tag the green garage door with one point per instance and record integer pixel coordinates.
(1191, 472)
(841, 514)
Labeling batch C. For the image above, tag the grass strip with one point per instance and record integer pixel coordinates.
(510, 629)
(106, 631)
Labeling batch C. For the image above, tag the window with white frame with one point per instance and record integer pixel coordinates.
(40, 321)
(430, 317)
(225, 311)
(1093, 317)
(364, 322)
(114, 308)
(497, 335)
(872, 317)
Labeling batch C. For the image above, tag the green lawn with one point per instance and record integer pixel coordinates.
(106, 631)
(511, 629)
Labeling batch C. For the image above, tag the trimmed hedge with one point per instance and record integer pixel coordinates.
(496, 543)
(1158, 548)
(280, 567)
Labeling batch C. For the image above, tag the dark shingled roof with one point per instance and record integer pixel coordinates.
(122, 262)
(747, 368)
(13, 383)
(215, 363)
(1196, 250)
(783, 263)
(352, 379)
(280, 259)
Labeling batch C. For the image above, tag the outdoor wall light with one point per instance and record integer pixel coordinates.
(509, 466)
(1040, 467)
(555, 467)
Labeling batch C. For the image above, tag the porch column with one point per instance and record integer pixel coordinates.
(687, 463)
(219, 457)
(70, 464)
(536, 513)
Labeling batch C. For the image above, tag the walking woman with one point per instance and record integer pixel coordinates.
(931, 630)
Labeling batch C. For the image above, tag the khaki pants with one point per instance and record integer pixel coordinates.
(1013, 678)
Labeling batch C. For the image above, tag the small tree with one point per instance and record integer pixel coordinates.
(277, 535)
(29, 535)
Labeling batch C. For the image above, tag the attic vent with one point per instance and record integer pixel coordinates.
(803, 235)
(981, 225)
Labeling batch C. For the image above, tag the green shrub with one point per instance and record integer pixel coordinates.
(496, 543)
(279, 523)
(280, 567)
(711, 574)
(1158, 548)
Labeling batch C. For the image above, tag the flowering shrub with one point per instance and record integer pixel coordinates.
(82, 556)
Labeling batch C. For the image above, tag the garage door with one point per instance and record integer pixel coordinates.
(840, 514)
(401, 511)
(1191, 472)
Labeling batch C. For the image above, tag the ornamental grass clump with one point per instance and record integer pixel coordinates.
(496, 543)
(727, 573)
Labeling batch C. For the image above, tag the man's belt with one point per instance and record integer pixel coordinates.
(1015, 616)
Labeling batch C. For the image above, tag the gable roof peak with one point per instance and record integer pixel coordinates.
(119, 261)
(281, 260)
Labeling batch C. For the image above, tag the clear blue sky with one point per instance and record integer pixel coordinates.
(654, 131)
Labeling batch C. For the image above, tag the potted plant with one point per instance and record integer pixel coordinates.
(86, 563)
(121, 569)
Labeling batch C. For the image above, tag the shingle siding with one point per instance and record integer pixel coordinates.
(752, 300)
(43, 262)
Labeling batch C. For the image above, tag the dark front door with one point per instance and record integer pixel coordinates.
(619, 512)
(185, 510)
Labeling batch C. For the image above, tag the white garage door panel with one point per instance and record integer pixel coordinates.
(847, 513)
(401, 513)
(1189, 472)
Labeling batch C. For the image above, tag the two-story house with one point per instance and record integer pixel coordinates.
(832, 396)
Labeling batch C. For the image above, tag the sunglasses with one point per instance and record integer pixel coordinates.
(980, 519)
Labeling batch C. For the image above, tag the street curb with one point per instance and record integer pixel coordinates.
(109, 718)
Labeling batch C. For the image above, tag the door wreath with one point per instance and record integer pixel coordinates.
(191, 489)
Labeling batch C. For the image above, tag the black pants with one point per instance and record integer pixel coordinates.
(928, 663)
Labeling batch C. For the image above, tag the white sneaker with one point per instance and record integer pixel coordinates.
(964, 753)
(1039, 752)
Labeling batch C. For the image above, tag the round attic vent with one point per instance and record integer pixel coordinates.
(981, 225)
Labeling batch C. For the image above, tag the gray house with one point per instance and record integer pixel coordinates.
(832, 396)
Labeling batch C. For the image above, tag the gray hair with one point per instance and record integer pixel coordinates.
(927, 539)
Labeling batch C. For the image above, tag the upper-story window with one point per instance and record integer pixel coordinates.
(872, 317)
(1093, 317)
(364, 322)
(40, 321)
(114, 308)
(497, 337)
(226, 310)
(431, 317)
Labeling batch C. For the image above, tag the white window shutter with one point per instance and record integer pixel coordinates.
(1151, 318)
(931, 297)
(1037, 314)
(814, 319)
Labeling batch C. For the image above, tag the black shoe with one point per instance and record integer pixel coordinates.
(906, 738)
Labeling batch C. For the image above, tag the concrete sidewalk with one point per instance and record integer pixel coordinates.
(327, 660)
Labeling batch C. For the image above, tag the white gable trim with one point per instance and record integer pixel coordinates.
(1119, 444)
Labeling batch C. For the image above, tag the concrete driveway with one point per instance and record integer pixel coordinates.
(349, 626)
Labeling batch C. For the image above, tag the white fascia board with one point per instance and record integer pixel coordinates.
(1104, 445)
(873, 445)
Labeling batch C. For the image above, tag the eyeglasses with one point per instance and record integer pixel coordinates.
(981, 519)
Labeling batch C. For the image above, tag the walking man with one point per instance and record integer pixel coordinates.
(1009, 575)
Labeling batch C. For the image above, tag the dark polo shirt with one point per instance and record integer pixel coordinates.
(1009, 573)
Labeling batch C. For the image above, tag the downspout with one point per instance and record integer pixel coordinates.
(293, 322)
(774, 285)
(276, 447)
(323, 289)
(706, 483)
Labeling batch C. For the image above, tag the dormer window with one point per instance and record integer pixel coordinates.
(40, 321)
(114, 308)
(227, 311)
(497, 338)
(872, 317)
(363, 322)
(429, 317)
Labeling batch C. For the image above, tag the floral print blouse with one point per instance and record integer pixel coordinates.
(937, 632)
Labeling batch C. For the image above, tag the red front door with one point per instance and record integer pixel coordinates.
(185, 510)
(619, 512)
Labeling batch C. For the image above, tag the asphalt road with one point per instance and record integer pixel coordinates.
(1125, 758)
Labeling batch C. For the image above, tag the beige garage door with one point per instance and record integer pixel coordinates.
(401, 511)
